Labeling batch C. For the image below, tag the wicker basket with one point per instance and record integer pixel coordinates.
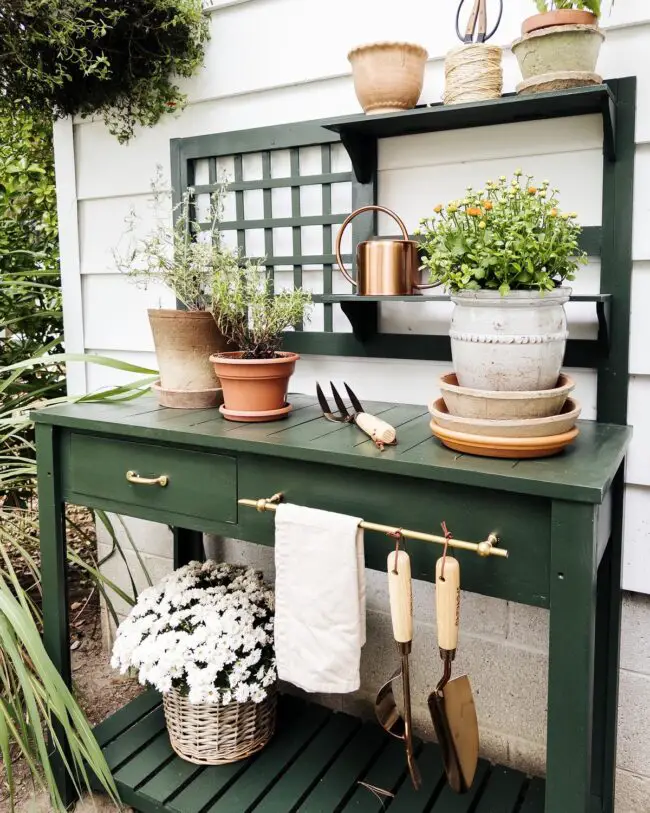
(212, 734)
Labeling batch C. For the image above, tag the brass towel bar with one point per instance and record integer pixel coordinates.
(486, 548)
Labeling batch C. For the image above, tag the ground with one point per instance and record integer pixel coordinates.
(100, 690)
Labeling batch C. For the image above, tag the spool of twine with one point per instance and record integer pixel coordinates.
(473, 72)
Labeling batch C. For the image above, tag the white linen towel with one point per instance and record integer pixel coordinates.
(320, 599)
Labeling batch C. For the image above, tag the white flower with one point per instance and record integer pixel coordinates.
(207, 630)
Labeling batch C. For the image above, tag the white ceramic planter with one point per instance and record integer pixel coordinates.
(512, 343)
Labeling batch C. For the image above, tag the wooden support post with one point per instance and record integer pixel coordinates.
(571, 656)
(188, 547)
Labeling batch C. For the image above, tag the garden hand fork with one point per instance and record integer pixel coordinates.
(380, 432)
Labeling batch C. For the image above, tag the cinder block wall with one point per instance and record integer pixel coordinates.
(503, 647)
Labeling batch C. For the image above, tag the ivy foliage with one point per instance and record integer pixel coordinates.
(584, 5)
(117, 59)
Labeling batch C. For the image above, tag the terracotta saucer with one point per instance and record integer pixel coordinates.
(514, 448)
(255, 417)
(188, 399)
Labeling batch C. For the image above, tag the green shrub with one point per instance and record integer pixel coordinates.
(67, 57)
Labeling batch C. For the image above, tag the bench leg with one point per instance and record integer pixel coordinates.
(188, 547)
(571, 657)
(56, 635)
(608, 636)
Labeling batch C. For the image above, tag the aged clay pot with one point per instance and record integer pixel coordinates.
(184, 341)
(512, 343)
(254, 390)
(558, 57)
(562, 16)
(388, 76)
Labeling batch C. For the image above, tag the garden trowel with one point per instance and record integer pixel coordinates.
(451, 703)
(401, 610)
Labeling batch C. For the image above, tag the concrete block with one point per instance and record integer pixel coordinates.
(633, 731)
(632, 793)
(528, 626)
(117, 570)
(527, 756)
(237, 552)
(150, 537)
(635, 633)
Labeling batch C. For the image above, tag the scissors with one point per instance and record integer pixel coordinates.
(478, 15)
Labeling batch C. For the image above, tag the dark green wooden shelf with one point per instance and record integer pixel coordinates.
(360, 133)
(363, 315)
(313, 764)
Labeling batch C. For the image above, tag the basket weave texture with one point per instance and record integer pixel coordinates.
(212, 734)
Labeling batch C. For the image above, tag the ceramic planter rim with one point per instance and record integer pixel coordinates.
(514, 299)
(235, 357)
(412, 46)
(559, 29)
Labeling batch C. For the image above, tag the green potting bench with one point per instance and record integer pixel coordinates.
(560, 518)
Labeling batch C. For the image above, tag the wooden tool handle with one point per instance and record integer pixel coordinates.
(377, 429)
(401, 600)
(448, 603)
(482, 21)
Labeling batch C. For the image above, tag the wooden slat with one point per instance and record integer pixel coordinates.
(293, 735)
(310, 765)
(169, 780)
(207, 786)
(535, 797)
(133, 740)
(147, 762)
(386, 773)
(502, 792)
(450, 802)
(349, 766)
(409, 800)
(114, 725)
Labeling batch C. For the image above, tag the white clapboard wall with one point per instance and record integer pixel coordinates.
(275, 61)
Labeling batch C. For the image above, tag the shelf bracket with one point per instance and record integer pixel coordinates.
(603, 312)
(364, 318)
(362, 150)
(609, 129)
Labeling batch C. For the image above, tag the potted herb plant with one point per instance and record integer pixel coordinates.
(559, 46)
(203, 637)
(253, 317)
(184, 338)
(504, 253)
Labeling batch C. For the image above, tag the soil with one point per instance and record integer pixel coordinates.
(99, 689)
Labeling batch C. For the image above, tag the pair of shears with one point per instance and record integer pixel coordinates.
(478, 15)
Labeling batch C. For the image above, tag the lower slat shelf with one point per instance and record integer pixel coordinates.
(313, 765)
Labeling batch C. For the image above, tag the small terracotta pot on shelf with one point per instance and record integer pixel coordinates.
(388, 76)
(560, 16)
(254, 390)
(183, 341)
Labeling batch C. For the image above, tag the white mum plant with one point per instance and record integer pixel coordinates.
(205, 630)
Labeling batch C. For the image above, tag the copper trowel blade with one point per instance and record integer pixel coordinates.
(463, 725)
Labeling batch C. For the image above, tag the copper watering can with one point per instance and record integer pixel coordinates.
(384, 267)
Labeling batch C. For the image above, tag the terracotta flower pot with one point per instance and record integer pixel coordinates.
(254, 390)
(184, 341)
(388, 76)
(562, 16)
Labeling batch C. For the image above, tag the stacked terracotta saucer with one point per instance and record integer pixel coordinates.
(538, 423)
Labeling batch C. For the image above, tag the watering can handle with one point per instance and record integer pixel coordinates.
(350, 218)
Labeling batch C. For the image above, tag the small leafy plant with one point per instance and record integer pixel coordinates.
(247, 310)
(584, 5)
(81, 57)
(507, 236)
(172, 254)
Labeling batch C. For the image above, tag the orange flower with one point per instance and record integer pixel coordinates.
(474, 212)
(532, 190)
(553, 213)
(437, 209)
(487, 205)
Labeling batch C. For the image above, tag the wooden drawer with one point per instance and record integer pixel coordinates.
(200, 485)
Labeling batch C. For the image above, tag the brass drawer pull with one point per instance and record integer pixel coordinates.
(161, 481)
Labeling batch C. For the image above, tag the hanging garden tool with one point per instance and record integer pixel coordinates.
(473, 71)
(401, 610)
(381, 433)
(451, 704)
